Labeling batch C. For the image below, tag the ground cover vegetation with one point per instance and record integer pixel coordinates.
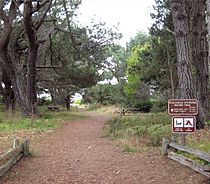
(137, 132)
(47, 120)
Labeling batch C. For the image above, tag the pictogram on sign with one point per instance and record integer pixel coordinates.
(183, 124)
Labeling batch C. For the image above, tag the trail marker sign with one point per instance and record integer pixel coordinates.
(183, 124)
(183, 107)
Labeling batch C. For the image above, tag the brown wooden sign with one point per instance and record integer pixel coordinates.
(183, 107)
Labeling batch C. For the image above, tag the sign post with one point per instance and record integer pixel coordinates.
(183, 113)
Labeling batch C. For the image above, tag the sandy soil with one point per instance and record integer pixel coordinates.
(78, 154)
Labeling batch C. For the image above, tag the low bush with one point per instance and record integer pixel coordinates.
(153, 126)
(43, 101)
(157, 132)
(144, 106)
(200, 140)
(159, 106)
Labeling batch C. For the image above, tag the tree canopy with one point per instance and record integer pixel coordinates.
(41, 43)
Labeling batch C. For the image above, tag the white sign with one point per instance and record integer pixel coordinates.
(182, 124)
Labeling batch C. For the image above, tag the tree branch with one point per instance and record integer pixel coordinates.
(8, 20)
(39, 6)
(44, 15)
(45, 67)
(167, 29)
(2, 13)
(28, 24)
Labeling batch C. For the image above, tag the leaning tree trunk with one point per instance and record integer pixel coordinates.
(200, 56)
(11, 51)
(17, 79)
(181, 28)
(10, 60)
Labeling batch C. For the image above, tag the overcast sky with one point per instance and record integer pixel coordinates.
(132, 15)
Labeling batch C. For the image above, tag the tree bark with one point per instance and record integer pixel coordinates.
(200, 57)
(181, 28)
(208, 26)
(17, 80)
(32, 56)
(200, 50)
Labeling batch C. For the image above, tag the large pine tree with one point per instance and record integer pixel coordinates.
(191, 44)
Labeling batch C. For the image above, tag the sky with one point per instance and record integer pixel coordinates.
(131, 15)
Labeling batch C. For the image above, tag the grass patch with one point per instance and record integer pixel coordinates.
(93, 107)
(153, 126)
(129, 148)
(14, 125)
(48, 120)
(200, 140)
(107, 109)
(193, 157)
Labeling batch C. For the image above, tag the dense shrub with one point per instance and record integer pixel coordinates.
(43, 101)
(159, 106)
(143, 106)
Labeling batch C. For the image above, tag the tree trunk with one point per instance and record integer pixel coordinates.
(8, 93)
(17, 80)
(31, 80)
(200, 50)
(191, 45)
(208, 26)
(32, 56)
(25, 27)
(52, 98)
(200, 57)
(67, 101)
(9, 57)
(181, 28)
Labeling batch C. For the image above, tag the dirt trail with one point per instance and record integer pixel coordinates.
(77, 154)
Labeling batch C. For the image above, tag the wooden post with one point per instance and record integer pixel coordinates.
(174, 138)
(165, 144)
(26, 147)
(183, 139)
(15, 143)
